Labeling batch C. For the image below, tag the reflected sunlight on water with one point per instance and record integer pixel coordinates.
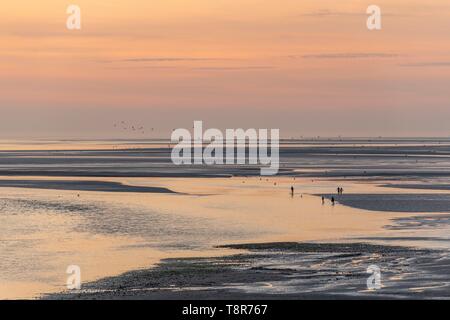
(42, 231)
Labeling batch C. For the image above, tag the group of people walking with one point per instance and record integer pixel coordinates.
(340, 191)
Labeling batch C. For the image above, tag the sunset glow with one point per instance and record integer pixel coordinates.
(297, 63)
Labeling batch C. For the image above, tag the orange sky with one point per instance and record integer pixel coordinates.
(306, 67)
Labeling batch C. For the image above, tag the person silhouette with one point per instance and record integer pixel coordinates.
(332, 201)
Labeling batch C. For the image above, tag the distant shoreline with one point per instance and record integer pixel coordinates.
(369, 158)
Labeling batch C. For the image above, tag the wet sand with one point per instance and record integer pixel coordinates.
(284, 271)
(337, 158)
(170, 223)
(76, 185)
(108, 233)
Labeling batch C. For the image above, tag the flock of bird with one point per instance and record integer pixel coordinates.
(124, 126)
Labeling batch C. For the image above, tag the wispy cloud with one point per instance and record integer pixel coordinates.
(330, 13)
(426, 64)
(325, 13)
(234, 68)
(350, 55)
(178, 67)
(168, 59)
(162, 59)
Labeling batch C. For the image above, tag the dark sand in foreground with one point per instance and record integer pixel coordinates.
(284, 271)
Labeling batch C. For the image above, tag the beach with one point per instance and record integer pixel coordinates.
(141, 228)
(231, 150)
(284, 271)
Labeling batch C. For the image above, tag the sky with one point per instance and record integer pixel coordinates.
(309, 68)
